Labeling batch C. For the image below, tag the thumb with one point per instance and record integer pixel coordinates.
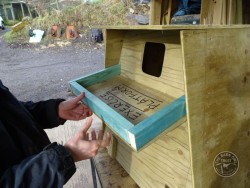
(78, 98)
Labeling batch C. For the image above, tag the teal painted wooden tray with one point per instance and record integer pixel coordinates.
(136, 134)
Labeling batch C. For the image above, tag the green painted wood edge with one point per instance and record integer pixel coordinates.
(149, 128)
(99, 76)
(113, 119)
(143, 132)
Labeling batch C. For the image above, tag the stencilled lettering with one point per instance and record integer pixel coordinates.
(120, 96)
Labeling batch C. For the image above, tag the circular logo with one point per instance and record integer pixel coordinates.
(226, 164)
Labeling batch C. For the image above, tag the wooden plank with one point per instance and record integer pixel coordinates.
(164, 11)
(239, 12)
(171, 81)
(119, 124)
(231, 12)
(111, 172)
(113, 46)
(217, 12)
(224, 12)
(19, 26)
(163, 163)
(127, 101)
(155, 12)
(218, 103)
(139, 28)
(134, 102)
(169, 11)
(112, 149)
(206, 12)
(146, 130)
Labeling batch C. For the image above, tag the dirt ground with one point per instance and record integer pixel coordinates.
(42, 71)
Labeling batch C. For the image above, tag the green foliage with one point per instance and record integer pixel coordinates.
(21, 36)
(8, 36)
(10, 22)
(106, 13)
(83, 16)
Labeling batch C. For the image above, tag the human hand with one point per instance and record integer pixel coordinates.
(81, 147)
(73, 109)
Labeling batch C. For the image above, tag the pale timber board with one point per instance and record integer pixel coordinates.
(170, 27)
(205, 9)
(111, 172)
(119, 125)
(218, 102)
(119, 90)
(114, 101)
(239, 11)
(163, 163)
(155, 12)
(171, 81)
(113, 46)
(217, 12)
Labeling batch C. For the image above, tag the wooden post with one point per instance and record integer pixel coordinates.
(204, 19)
(169, 11)
(29, 10)
(239, 11)
(12, 12)
(155, 12)
(22, 9)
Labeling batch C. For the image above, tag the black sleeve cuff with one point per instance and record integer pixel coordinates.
(60, 120)
(67, 167)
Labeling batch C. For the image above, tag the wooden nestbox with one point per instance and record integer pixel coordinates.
(177, 99)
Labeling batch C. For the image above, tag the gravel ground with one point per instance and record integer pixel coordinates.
(39, 72)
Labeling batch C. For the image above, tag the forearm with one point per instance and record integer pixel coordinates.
(50, 168)
(45, 112)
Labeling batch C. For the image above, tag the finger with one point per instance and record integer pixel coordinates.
(85, 110)
(86, 137)
(85, 127)
(77, 116)
(100, 135)
(82, 116)
(89, 113)
(93, 135)
(106, 142)
(78, 98)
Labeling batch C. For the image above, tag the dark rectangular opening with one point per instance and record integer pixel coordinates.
(153, 58)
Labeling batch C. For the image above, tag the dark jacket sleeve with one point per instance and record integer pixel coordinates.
(45, 112)
(51, 168)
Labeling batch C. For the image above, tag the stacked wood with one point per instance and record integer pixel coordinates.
(216, 12)
(19, 26)
(221, 12)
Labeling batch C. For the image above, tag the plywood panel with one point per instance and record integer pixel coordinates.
(113, 46)
(111, 172)
(171, 80)
(218, 103)
(119, 93)
(164, 163)
(136, 113)
(155, 12)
